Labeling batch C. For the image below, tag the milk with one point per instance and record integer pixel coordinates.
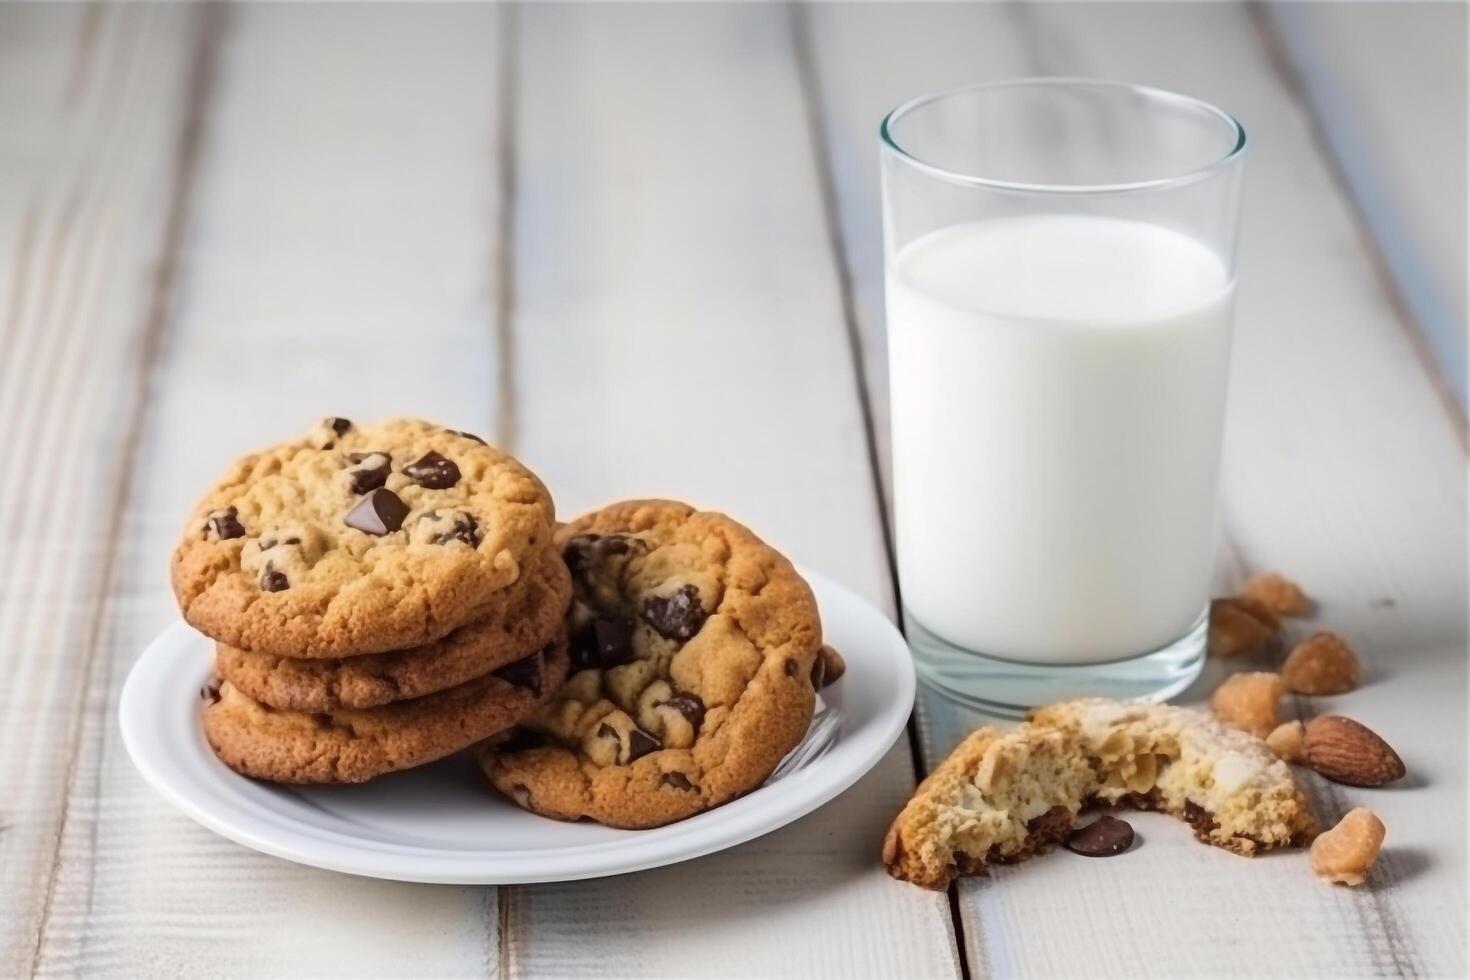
(1058, 395)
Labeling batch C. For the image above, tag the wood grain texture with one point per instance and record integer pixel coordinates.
(1340, 469)
(338, 258)
(1386, 83)
(678, 330)
(92, 101)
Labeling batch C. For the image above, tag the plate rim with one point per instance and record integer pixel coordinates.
(736, 822)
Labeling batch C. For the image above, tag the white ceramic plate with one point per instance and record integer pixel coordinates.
(442, 823)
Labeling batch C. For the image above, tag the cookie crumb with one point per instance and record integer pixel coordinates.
(1323, 663)
(1241, 625)
(1345, 854)
(1278, 593)
(1288, 741)
(1248, 701)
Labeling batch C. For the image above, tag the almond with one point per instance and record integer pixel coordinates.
(1323, 663)
(1240, 624)
(1345, 751)
(1279, 594)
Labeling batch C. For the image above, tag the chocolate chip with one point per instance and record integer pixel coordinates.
(584, 550)
(380, 512)
(605, 643)
(790, 667)
(433, 472)
(463, 528)
(210, 691)
(525, 672)
(225, 524)
(577, 550)
(688, 705)
(469, 435)
(640, 745)
(338, 425)
(371, 471)
(1104, 837)
(679, 781)
(678, 616)
(272, 580)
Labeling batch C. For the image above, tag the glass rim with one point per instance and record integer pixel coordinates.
(891, 144)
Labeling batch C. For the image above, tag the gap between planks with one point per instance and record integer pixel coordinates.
(814, 105)
(1047, 50)
(1289, 74)
(509, 922)
(210, 316)
(508, 42)
(201, 78)
(517, 910)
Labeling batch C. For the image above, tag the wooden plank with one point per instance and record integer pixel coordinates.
(679, 332)
(1387, 86)
(92, 102)
(339, 259)
(1340, 469)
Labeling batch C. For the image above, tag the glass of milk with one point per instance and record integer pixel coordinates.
(1060, 265)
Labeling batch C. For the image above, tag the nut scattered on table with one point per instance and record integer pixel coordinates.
(1323, 663)
(1348, 752)
(1345, 854)
(1248, 701)
(1278, 593)
(1239, 625)
(1287, 740)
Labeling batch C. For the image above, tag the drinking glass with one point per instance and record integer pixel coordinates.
(1060, 271)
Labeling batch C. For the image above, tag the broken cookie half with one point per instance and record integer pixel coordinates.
(1002, 796)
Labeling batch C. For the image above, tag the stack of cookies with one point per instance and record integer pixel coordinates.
(383, 596)
(380, 597)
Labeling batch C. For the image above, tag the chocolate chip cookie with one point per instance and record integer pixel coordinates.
(355, 745)
(693, 648)
(358, 539)
(1003, 796)
(530, 617)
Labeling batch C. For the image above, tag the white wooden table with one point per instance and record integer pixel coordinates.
(640, 246)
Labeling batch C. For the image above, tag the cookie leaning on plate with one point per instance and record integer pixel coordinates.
(694, 646)
(358, 539)
(529, 618)
(355, 745)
